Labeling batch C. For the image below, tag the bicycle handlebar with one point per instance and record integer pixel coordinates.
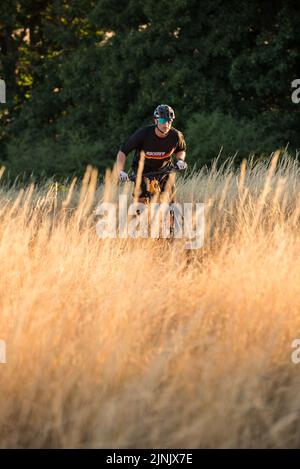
(174, 169)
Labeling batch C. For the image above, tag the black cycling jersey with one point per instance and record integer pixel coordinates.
(157, 150)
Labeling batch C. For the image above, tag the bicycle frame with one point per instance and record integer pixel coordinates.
(153, 181)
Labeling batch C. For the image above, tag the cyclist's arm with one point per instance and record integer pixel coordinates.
(134, 142)
(180, 150)
(121, 159)
(180, 155)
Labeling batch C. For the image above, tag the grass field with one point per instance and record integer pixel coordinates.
(123, 343)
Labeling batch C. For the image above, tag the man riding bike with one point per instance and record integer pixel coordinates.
(154, 146)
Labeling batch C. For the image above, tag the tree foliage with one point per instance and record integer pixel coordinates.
(83, 74)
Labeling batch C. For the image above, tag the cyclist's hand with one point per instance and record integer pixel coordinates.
(181, 164)
(123, 177)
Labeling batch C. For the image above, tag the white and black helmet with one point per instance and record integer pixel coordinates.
(164, 111)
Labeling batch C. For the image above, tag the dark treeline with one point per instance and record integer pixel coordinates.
(81, 75)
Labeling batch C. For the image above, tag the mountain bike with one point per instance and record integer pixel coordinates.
(155, 189)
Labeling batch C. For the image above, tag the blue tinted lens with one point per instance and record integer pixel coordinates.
(163, 120)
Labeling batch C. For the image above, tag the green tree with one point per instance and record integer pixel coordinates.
(94, 70)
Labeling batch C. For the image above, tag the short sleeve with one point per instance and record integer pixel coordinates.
(134, 142)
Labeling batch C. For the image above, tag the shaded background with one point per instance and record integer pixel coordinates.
(82, 75)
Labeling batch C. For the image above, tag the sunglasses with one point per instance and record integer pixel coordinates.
(163, 120)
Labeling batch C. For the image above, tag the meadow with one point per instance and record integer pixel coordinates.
(131, 343)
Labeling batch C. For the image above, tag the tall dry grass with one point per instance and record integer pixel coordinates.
(139, 343)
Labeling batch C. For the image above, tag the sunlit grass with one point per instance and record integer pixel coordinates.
(141, 343)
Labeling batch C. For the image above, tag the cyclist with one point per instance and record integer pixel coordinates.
(154, 146)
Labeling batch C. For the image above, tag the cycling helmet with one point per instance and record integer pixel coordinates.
(164, 111)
